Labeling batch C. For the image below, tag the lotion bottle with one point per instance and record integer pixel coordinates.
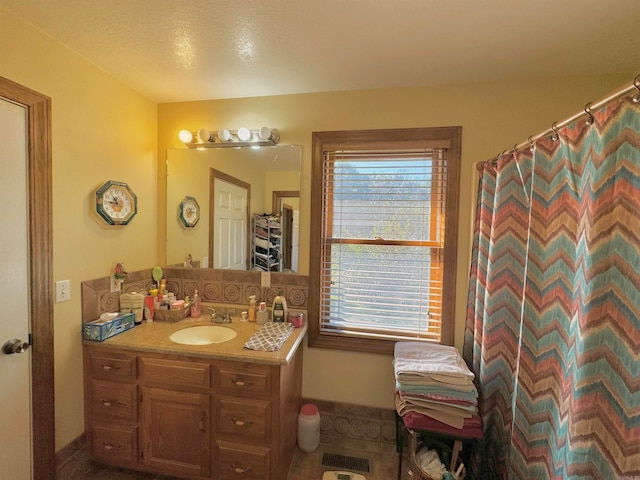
(279, 311)
(252, 308)
(196, 309)
(262, 315)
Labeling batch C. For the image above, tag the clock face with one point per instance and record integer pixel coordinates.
(189, 212)
(116, 203)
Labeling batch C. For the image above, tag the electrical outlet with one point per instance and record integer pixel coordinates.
(265, 279)
(63, 291)
(116, 285)
(205, 262)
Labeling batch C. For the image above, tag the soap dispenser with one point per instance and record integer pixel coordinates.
(279, 308)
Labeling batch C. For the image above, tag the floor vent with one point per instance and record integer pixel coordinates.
(345, 462)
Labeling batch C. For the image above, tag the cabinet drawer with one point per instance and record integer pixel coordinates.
(116, 445)
(116, 366)
(114, 401)
(250, 419)
(236, 380)
(174, 373)
(239, 462)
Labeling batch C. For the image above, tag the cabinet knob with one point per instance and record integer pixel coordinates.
(240, 469)
(241, 383)
(241, 423)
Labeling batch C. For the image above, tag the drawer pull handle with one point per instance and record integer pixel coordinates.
(240, 469)
(241, 383)
(108, 368)
(241, 423)
(110, 403)
(109, 446)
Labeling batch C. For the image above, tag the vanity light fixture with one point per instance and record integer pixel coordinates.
(243, 137)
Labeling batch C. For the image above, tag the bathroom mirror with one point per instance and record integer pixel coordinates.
(230, 185)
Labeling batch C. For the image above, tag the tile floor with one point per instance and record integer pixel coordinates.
(305, 466)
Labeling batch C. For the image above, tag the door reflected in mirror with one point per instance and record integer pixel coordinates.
(232, 185)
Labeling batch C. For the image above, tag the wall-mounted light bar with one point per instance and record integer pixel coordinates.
(243, 137)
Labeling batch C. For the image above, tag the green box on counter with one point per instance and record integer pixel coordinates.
(99, 330)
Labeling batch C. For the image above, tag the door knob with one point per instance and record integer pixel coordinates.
(14, 346)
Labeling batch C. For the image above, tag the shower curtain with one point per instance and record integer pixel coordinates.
(553, 316)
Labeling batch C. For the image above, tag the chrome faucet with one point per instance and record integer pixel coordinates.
(219, 318)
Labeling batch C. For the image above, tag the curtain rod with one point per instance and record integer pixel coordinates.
(635, 84)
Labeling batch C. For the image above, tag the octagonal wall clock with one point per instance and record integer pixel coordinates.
(189, 212)
(116, 203)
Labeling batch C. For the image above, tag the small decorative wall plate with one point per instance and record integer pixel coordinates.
(189, 212)
(116, 203)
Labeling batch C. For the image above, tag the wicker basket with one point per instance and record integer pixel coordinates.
(457, 468)
(172, 315)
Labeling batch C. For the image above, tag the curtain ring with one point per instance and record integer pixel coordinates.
(531, 144)
(636, 83)
(555, 136)
(587, 110)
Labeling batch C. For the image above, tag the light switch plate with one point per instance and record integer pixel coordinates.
(265, 279)
(63, 291)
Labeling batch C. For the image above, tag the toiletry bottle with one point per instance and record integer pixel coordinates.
(262, 315)
(137, 306)
(149, 307)
(196, 309)
(252, 308)
(125, 303)
(279, 308)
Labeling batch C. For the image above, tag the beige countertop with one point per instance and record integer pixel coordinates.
(154, 337)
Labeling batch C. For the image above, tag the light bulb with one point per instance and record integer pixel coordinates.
(224, 135)
(244, 134)
(204, 135)
(264, 133)
(185, 136)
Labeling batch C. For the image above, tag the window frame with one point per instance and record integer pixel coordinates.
(429, 137)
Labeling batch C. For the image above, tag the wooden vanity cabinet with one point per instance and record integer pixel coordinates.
(111, 407)
(192, 418)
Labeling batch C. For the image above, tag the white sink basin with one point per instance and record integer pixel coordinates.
(203, 335)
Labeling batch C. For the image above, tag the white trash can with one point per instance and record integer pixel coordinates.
(308, 428)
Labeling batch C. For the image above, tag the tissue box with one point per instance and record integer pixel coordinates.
(100, 330)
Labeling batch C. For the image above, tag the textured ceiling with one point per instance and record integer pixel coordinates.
(209, 49)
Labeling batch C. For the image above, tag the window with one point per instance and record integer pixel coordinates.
(384, 210)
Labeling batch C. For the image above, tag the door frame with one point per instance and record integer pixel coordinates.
(38, 134)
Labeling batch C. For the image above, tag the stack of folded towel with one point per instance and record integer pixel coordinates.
(435, 390)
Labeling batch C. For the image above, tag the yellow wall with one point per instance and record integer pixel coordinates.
(494, 117)
(101, 129)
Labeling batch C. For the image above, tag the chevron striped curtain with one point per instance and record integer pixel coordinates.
(553, 315)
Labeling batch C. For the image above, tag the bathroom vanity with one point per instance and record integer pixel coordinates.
(194, 411)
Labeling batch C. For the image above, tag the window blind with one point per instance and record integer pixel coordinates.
(382, 245)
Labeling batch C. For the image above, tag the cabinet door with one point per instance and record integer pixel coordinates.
(175, 432)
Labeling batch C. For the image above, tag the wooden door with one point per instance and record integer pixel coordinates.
(176, 431)
(27, 443)
(230, 214)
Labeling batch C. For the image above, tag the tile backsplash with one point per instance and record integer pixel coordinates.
(342, 424)
(214, 286)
